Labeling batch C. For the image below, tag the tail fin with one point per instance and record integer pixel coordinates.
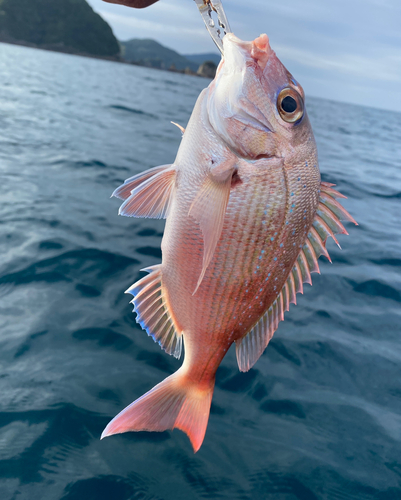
(174, 403)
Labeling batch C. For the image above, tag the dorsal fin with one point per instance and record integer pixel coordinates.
(327, 222)
(148, 194)
(153, 312)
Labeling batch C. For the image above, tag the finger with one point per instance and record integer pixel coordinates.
(138, 4)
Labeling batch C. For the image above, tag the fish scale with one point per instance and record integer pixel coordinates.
(247, 217)
(223, 263)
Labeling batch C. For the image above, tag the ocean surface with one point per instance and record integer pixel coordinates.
(318, 417)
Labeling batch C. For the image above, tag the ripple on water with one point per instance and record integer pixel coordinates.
(317, 418)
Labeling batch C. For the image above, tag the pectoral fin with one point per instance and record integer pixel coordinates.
(208, 209)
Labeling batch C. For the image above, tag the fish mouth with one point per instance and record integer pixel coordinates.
(259, 49)
(237, 101)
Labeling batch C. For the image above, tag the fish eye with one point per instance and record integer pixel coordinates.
(290, 105)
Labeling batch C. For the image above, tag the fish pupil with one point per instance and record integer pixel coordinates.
(289, 104)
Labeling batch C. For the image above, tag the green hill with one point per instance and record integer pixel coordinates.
(65, 25)
(201, 58)
(148, 52)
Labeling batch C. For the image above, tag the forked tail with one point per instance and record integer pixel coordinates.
(174, 403)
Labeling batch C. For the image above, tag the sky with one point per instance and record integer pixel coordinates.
(345, 50)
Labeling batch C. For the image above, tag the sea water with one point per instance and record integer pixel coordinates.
(318, 417)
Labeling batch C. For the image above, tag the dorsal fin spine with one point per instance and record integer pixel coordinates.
(280, 307)
(321, 226)
(311, 257)
(337, 209)
(326, 221)
(288, 296)
(285, 296)
(293, 293)
(317, 244)
(332, 192)
(303, 264)
(298, 278)
(331, 220)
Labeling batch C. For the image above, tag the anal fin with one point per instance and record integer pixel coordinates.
(153, 313)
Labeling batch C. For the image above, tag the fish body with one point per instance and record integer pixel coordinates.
(247, 216)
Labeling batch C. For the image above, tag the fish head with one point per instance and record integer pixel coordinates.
(256, 106)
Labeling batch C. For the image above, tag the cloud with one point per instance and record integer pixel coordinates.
(387, 67)
(350, 49)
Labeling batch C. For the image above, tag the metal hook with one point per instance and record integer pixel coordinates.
(205, 8)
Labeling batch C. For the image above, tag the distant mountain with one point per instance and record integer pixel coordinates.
(150, 53)
(64, 25)
(207, 69)
(201, 58)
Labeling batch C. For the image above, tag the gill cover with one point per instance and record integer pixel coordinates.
(232, 110)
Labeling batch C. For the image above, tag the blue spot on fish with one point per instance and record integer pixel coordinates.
(275, 258)
(281, 244)
(272, 239)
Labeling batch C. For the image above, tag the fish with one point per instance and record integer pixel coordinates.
(247, 217)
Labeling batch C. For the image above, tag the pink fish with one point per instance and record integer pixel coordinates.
(247, 217)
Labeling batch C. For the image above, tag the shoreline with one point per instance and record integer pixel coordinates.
(117, 59)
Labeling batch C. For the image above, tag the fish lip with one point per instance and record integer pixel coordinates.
(257, 50)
